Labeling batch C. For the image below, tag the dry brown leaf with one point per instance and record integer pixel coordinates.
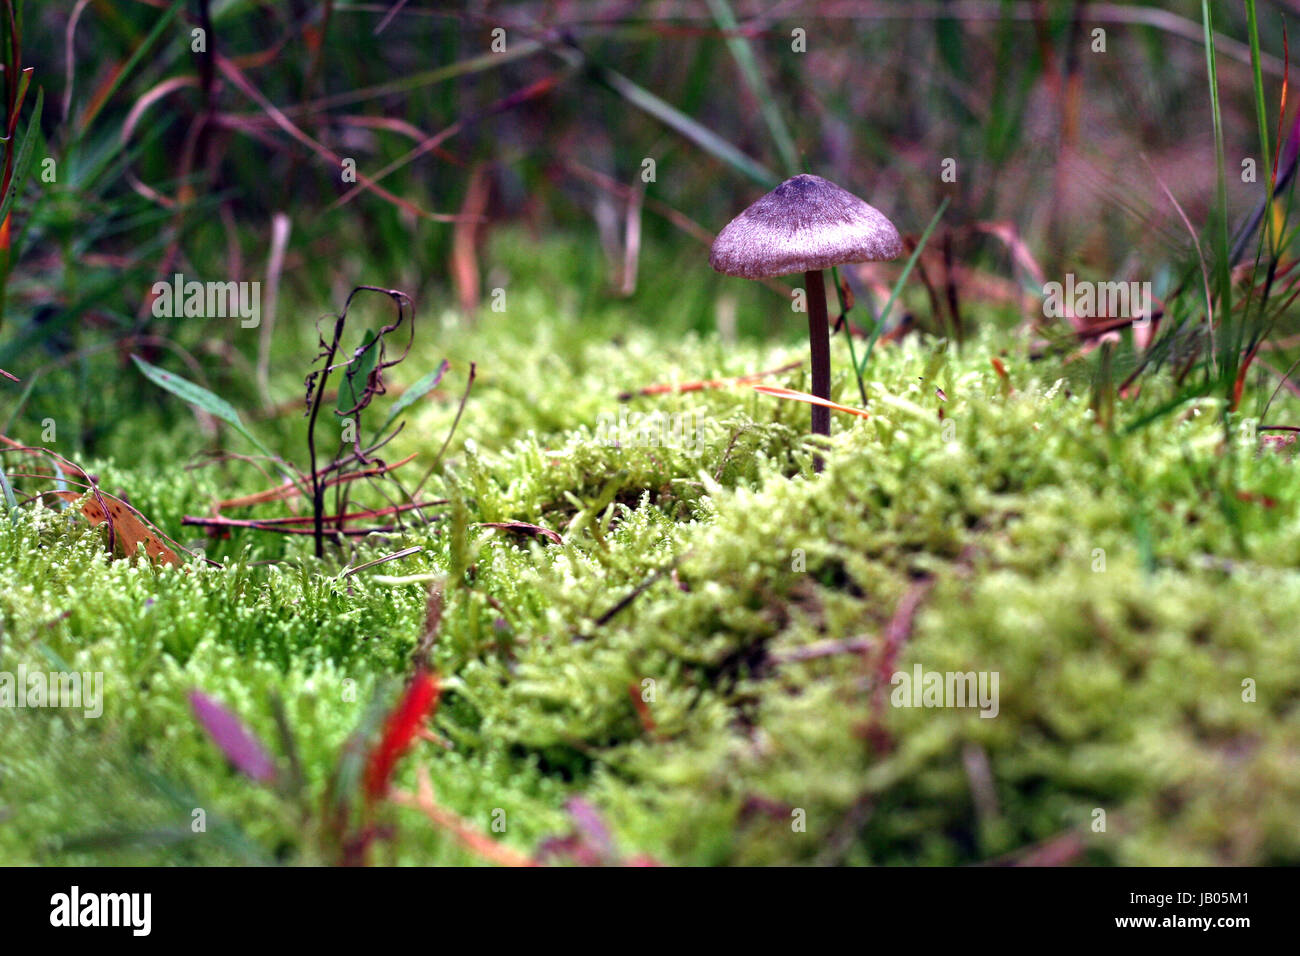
(129, 528)
(526, 527)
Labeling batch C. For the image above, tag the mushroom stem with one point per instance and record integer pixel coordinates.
(819, 337)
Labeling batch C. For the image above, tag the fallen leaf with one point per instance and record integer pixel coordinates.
(129, 527)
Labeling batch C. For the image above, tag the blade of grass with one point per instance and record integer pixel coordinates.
(1257, 79)
(848, 331)
(145, 46)
(1191, 394)
(22, 400)
(407, 84)
(416, 392)
(22, 165)
(1269, 238)
(898, 287)
(1223, 275)
(214, 405)
(749, 69)
(10, 501)
(672, 117)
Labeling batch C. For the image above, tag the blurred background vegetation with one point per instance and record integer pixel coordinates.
(166, 159)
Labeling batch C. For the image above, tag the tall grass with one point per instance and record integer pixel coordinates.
(718, 99)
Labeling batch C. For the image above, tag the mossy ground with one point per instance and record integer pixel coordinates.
(1122, 586)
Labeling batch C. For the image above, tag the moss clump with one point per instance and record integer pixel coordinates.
(673, 661)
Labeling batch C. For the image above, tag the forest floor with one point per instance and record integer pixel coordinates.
(700, 665)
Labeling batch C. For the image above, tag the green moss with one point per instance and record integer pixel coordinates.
(1122, 588)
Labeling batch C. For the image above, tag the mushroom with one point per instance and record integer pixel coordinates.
(806, 224)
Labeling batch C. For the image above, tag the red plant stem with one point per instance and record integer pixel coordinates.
(665, 388)
(400, 729)
(281, 529)
(216, 521)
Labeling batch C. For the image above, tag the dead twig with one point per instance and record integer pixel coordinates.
(673, 387)
(466, 834)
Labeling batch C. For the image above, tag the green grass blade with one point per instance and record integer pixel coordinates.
(192, 394)
(749, 69)
(416, 392)
(1257, 78)
(407, 84)
(213, 404)
(675, 119)
(1269, 238)
(23, 164)
(1231, 349)
(10, 501)
(1165, 408)
(898, 285)
(159, 28)
(848, 333)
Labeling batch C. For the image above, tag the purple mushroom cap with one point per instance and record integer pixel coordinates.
(805, 224)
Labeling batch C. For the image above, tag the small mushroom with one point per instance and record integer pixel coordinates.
(806, 224)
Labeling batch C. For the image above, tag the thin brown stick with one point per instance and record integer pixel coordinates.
(664, 388)
(466, 834)
(281, 492)
(220, 522)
